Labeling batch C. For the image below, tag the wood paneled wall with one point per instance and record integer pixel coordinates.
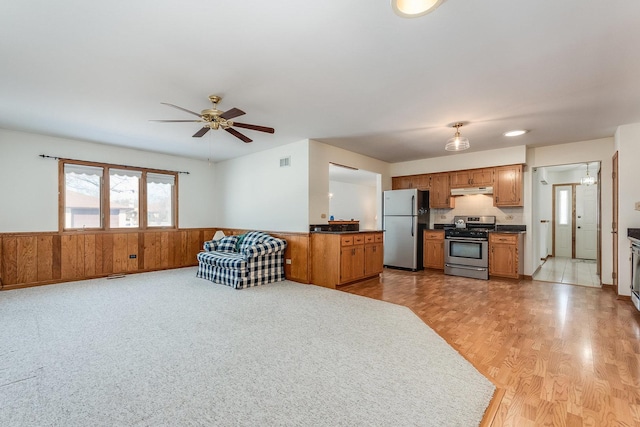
(29, 259)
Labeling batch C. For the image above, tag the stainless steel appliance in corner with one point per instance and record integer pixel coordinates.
(405, 216)
(466, 246)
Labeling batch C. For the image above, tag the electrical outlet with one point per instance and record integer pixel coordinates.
(638, 206)
(323, 215)
(509, 218)
(443, 217)
(288, 261)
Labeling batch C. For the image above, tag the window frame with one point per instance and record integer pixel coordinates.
(105, 208)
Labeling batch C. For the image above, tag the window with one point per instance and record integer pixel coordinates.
(102, 196)
(160, 199)
(563, 215)
(82, 201)
(124, 198)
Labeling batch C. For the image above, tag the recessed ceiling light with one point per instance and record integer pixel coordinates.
(515, 132)
(414, 8)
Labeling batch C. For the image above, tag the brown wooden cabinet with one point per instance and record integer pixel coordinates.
(433, 249)
(507, 186)
(472, 177)
(440, 194)
(337, 259)
(506, 255)
(421, 182)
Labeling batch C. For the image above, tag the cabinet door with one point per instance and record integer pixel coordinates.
(503, 260)
(481, 177)
(440, 194)
(373, 259)
(351, 263)
(507, 186)
(423, 182)
(460, 179)
(434, 254)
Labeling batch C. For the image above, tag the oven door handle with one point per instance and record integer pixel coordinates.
(464, 267)
(467, 239)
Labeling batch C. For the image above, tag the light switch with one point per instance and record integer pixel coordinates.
(288, 261)
(638, 206)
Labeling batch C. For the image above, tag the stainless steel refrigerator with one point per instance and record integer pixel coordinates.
(405, 216)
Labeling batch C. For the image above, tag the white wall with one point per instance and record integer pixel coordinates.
(576, 152)
(627, 142)
(320, 155)
(354, 201)
(29, 184)
(254, 192)
(480, 159)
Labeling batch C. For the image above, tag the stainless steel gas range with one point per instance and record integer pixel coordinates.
(467, 246)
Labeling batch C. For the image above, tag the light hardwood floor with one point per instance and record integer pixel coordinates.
(565, 355)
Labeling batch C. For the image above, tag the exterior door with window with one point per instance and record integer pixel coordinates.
(587, 221)
(563, 221)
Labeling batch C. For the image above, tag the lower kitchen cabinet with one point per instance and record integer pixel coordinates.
(338, 258)
(433, 249)
(506, 255)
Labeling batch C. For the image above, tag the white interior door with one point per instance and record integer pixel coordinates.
(587, 221)
(563, 222)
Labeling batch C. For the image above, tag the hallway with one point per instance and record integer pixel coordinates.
(570, 271)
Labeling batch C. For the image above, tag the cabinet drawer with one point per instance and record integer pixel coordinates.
(378, 237)
(433, 235)
(369, 238)
(504, 238)
(346, 240)
(358, 239)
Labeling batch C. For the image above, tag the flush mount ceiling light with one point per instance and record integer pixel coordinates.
(517, 132)
(457, 143)
(414, 8)
(587, 179)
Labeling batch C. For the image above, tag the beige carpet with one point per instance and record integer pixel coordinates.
(166, 348)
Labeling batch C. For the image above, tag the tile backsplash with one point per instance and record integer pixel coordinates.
(477, 204)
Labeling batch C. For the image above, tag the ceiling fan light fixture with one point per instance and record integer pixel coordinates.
(516, 132)
(414, 8)
(457, 143)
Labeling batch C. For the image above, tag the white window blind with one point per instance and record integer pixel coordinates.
(123, 172)
(160, 178)
(82, 170)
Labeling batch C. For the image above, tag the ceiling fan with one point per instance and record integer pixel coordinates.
(216, 119)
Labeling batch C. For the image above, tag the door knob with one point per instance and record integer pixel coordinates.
(579, 227)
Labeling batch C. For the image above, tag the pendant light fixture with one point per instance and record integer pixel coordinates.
(414, 8)
(457, 143)
(588, 179)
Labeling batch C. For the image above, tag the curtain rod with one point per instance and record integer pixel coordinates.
(44, 156)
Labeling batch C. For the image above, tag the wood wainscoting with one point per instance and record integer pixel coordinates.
(40, 258)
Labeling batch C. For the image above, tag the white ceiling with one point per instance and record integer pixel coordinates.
(348, 73)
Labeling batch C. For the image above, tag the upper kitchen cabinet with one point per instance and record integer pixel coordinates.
(507, 186)
(472, 177)
(421, 182)
(440, 191)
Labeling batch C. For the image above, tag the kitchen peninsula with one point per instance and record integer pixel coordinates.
(341, 257)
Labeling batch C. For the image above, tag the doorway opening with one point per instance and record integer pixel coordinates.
(569, 231)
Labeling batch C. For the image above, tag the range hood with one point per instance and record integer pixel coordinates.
(471, 190)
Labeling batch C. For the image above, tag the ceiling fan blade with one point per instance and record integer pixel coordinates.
(230, 114)
(238, 135)
(254, 127)
(176, 121)
(201, 132)
(180, 108)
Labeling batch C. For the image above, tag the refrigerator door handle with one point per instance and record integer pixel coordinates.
(413, 201)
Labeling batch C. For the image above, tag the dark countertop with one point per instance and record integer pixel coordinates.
(500, 228)
(345, 232)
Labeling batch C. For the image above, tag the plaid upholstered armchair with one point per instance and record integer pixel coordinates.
(250, 259)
